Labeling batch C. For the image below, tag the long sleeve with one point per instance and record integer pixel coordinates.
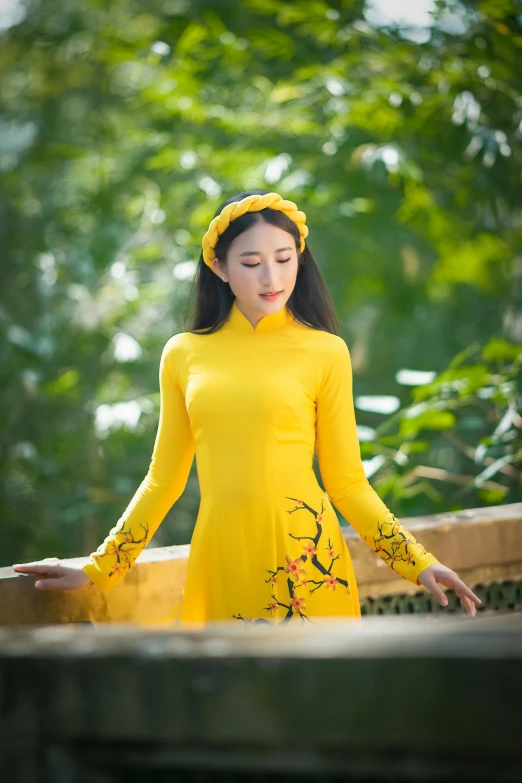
(342, 471)
(164, 482)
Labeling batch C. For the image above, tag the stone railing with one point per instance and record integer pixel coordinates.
(483, 545)
(423, 697)
(403, 699)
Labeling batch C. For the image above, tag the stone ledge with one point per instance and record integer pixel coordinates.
(482, 545)
(405, 699)
(151, 594)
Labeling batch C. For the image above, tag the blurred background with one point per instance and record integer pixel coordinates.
(397, 128)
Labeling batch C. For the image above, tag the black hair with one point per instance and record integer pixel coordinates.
(211, 298)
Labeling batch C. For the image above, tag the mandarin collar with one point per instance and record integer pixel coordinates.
(268, 323)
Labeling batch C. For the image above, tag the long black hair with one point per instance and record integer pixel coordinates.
(211, 298)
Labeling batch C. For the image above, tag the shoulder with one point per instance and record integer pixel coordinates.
(327, 347)
(175, 352)
(184, 346)
(331, 360)
(332, 344)
(176, 346)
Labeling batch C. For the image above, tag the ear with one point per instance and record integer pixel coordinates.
(218, 269)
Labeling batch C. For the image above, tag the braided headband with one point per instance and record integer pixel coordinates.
(250, 204)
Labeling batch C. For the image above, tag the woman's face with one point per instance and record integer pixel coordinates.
(261, 260)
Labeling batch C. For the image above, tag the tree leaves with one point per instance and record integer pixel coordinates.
(122, 131)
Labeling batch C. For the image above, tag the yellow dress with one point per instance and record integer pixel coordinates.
(253, 404)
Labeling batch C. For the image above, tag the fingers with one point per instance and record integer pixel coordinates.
(49, 584)
(435, 590)
(465, 599)
(449, 578)
(45, 561)
(468, 605)
(29, 568)
(460, 587)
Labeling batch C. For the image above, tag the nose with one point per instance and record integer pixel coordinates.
(269, 277)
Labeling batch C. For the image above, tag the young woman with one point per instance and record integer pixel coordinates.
(260, 381)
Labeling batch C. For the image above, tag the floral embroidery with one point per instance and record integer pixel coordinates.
(331, 581)
(393, 542)
(297, 576)
(293, 569)
(123, 549)
(298, 605)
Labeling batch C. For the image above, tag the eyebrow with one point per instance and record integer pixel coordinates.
(257, 253)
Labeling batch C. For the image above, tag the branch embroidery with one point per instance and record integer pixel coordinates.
(122, 549)
(392, 543)
(297, 577)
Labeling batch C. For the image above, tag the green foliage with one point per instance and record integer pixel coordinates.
(470, 419)
(122, 126)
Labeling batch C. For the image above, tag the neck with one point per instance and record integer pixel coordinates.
(269, 322)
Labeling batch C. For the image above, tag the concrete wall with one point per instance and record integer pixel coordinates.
(482, 545)
(395, 700)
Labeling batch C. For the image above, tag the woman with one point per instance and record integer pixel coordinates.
(261, 381)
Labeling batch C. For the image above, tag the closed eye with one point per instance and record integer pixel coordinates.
(280, 261)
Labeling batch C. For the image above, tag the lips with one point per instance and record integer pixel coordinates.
(271, 296)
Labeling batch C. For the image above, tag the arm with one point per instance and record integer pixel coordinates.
(165, 481)
(342, 471)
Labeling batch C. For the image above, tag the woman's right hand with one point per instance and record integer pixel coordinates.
(54, 575)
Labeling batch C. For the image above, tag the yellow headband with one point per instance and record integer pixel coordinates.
(250, 204)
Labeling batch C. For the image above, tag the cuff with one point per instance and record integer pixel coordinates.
(427, 561)
(100, 579)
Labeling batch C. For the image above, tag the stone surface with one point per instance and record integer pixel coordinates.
(150, 594)
(391, 698)
(483, 545)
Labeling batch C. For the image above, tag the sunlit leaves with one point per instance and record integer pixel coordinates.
(500, 350)
(476, 408)
(122, 130)
(427, 420)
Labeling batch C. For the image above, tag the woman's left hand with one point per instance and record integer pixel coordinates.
(437, 574)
